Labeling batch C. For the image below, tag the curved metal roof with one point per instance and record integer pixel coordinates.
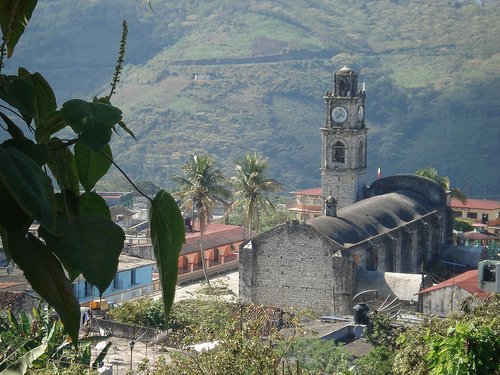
(373, 216)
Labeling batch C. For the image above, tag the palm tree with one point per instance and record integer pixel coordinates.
(251, 188)
(444, 181)
(201, 186)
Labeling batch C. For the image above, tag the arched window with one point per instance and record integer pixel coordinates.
(338, 152)
(361, 154)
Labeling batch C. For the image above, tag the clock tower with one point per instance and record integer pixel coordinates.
(344, 140)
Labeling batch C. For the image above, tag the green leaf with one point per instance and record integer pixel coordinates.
(38, 152)
(21, 365)
(62, 164)
(91, 121)
(67, 203)
(12, 217)
(29, 185)
(91, 166)
(92, 204)
(101, 355)
(43, 98)
(19, 94)
(46, 276)
(86, 355)
(50, 125)
(12, 128)
(89, 245)
(14, 16)
(124, 127)
(167, 236)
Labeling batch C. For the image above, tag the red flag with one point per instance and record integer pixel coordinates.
(379, 172)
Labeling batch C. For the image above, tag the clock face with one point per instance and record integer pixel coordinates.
(339, 114)
(361, 113)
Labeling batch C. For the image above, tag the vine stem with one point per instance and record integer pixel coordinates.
(2, 53)
(127, 177)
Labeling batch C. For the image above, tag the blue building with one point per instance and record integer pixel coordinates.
(134, 278)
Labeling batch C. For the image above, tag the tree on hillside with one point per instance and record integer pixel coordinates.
(443, 181)
(201, 187)
(252, 188)
(78, 235)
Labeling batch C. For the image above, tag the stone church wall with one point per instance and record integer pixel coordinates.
(293, 266)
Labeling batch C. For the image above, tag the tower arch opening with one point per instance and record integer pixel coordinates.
(338, 152)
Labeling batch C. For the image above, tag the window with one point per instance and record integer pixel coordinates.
(485, 219)
(361, 154)
(117, 283)
(88, 289)
(472, 215)
(133, 277)
(338, 152)
(458, 213)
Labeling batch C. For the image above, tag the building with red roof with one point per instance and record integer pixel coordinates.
(479, 210)
(308, 203)
(220, 248)
(445, 297)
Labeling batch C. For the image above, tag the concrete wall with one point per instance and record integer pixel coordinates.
(443, 301)
(128, 331)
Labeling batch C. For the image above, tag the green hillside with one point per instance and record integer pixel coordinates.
(432, 71)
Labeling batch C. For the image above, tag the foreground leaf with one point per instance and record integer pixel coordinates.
(44, 100)
(38, 152)
(167, 236)
(29, 185)
(91, 166)
(127, 129)
(91, 121)
(51, 124)
(19, 94)
(12, 217)
(24, 362)
(92, 204)
(15, 132)
(46, 275)
(14, 16)
(62, 164)
(89, 245)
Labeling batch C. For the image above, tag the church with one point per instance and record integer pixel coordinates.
(378, 237)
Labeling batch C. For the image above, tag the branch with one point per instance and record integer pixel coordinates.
(2, 53)
(127, 177)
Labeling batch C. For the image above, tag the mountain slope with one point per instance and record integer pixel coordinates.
(432, 71)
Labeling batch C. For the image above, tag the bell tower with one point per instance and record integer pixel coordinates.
(344, 140)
